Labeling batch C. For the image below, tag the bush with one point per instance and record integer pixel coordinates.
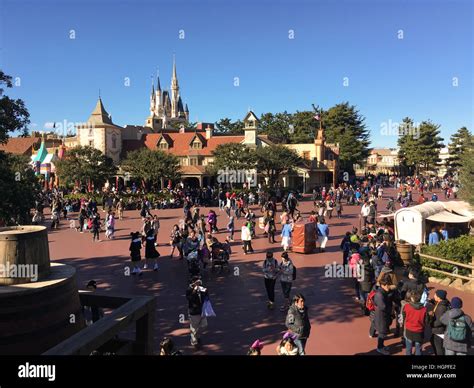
(460, 249)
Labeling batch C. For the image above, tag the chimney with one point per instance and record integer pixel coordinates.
(208, 132)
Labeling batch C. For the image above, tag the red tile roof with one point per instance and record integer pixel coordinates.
(180, 142)
(188, 170)
(20, 145)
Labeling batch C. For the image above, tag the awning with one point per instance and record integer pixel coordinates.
(388, 215)
(446, 216)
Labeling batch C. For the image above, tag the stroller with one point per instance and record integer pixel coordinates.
(194, 266)
(219, 257)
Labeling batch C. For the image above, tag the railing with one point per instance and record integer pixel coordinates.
(127, 310)
(454, 263)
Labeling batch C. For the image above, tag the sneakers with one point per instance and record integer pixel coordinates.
(383, 351)
(155, 267)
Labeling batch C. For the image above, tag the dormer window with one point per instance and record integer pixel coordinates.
(196, 145)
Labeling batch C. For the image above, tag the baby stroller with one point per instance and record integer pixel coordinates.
(219, 257)
(194, 266)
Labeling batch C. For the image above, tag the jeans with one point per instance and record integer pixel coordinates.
(409, 345)
(301, 344)
(380, 341)
(270, 287)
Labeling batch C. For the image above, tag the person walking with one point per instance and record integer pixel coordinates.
(287, 275)
(151, 254)
(297, 322)
(135, 248)
(231, 228)
(270, 273)
(441, 305)
(110, 225)
(95, 227)
(196, 295)
(246, 237)
(458, 334)
(270, 226)
(323, 233)
(176, 241)
(286, 233)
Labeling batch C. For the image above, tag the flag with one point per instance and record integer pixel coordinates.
(317, 117)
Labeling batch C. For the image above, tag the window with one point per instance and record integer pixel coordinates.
(91, 132)
(114, 141)
(91, 143)
(306, 155)
(163, 145)
(193, 161)
(197, 145)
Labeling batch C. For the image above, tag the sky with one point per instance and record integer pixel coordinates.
(391, 59)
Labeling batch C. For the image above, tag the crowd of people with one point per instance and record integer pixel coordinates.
(387, 293)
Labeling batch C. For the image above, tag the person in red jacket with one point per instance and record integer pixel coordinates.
(415, 318)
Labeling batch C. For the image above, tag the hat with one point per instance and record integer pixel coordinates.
(284, 255)
(257, 345)
(354, 238)
(456, 303)
(441, 294)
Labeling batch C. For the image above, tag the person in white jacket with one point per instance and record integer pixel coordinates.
(364, 212)
(246, 237)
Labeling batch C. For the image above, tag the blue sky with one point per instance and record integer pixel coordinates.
(389, 78)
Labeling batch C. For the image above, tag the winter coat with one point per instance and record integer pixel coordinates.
(436, 326)
(286, 272)
(448, 343)
(383, 311)
(150, 250)
(415, 319)
(195, 300)
(271, 268)
(297, 321)
(135, 247)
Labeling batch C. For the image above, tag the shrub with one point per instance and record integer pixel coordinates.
(460, 249)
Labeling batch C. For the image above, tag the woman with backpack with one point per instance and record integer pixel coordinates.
(287, 275)
(441, 305)
(414, 319)
(270, 273)
(457, 338)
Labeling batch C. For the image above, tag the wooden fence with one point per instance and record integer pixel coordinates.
(454, 263)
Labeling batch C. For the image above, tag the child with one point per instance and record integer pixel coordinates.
(135, 247)
(151, 254)
(286, 236)
(255, 349)
(415, 319)
(287, 347)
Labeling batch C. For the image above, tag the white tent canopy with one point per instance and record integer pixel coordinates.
(410, 222)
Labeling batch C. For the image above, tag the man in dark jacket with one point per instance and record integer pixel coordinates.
(383, 313)
(457, 325)
(297, 322)
(196, 294)
(441, 305)
(412, 284)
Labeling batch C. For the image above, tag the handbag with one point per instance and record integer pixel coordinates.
(207, 310)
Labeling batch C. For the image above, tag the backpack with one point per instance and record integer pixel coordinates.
(369, 304)
(457, 329)
(294, 272)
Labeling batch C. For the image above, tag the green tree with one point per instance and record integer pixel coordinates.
(344, 124)
(18, 189)
(459, 143)
(276, 126)
(151, 166)
(428, 145)
(407, 146)
(13, 114)
(274, 160)
(466, 176)
(84, 163)
(228, 127)
(304, 127)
